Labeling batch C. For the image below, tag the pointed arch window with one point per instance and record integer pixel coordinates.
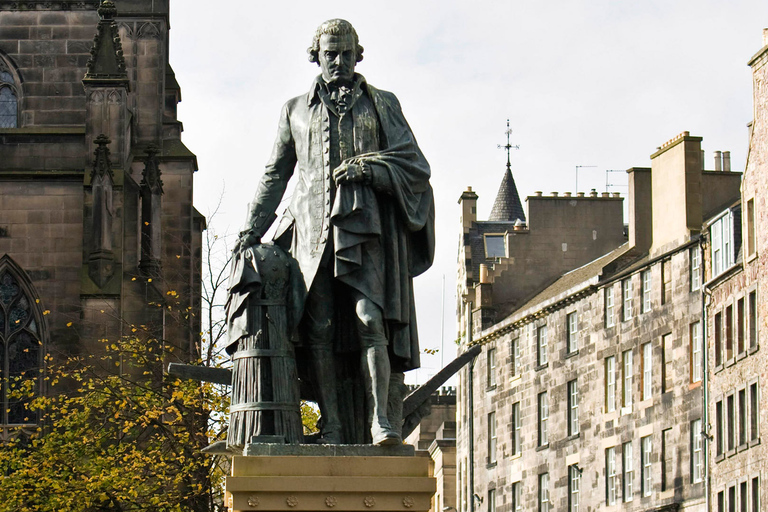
(21, 344)
(9, 97)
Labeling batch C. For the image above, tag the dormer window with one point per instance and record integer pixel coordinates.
(495, 246)
(722, 244)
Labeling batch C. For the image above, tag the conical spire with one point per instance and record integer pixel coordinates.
(507, 206)
(107, 62)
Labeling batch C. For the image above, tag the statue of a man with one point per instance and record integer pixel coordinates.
(360, 225)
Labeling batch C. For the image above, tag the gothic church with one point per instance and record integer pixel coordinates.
(98, 235)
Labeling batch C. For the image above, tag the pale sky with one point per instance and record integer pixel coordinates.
(594, 83)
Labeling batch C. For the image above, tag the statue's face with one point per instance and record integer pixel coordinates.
(337, 58)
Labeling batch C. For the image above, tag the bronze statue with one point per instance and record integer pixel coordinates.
(360, 225)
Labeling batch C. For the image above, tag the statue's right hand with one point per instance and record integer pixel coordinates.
(247, 239)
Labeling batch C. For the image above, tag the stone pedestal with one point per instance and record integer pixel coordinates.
(374, 479)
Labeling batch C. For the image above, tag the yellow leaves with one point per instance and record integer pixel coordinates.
(69, 324)
(146, 223)
(102, 310)
(178, 256)
(133, 279)
(47, 312)
(149, 280)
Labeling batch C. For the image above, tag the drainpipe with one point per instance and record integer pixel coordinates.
(471, 405)
(705, 298)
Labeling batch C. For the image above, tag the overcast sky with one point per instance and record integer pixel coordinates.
(592, 83)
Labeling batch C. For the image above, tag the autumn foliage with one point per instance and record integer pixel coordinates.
(114, 434)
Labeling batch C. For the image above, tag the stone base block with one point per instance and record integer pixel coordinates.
(331, 483)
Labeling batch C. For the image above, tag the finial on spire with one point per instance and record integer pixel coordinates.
(107, 10)
(508, 146)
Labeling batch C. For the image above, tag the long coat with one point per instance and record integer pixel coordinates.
(402, 199)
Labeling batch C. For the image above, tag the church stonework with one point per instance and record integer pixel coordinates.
(97, 223)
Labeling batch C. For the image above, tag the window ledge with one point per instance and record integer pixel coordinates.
(542, 447)
(490, 465)
(694, 385)
(741, 355)
(491, 388)
(541, 366)
(516, 378)
(730, 362)
(742, 447)
(754, 349)
(719, 368)
(754, 442)
(568, 355)
(626, 410)
(573, 436)
(719, 458)
(731, 452)
(752, 257)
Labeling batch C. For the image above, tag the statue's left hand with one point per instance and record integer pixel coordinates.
(352, 173)
(247, 239)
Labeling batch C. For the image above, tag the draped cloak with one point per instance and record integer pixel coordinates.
(382, 233)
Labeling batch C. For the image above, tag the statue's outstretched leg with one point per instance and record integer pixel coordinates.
(375, 369)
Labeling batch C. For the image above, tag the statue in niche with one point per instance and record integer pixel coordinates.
(359, 228)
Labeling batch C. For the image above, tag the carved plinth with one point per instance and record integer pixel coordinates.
(101, 267)
(377, 483)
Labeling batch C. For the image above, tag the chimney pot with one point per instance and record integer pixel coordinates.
(567, 194)
(469, 189)
(617, 194)
(579, 194)
(718, 161)
(484, 274)
(554, 194)
(605, 194)
(538, 193)
(593, 193)
(726, 161)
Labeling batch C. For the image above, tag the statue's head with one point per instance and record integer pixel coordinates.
(336, 49)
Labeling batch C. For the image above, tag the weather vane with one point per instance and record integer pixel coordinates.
(508, 146)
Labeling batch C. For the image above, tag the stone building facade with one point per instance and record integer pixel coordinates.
(98, 235)
(436, 433)
(589, 393)
(737, 322)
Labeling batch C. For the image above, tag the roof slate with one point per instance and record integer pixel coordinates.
(507, 206)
